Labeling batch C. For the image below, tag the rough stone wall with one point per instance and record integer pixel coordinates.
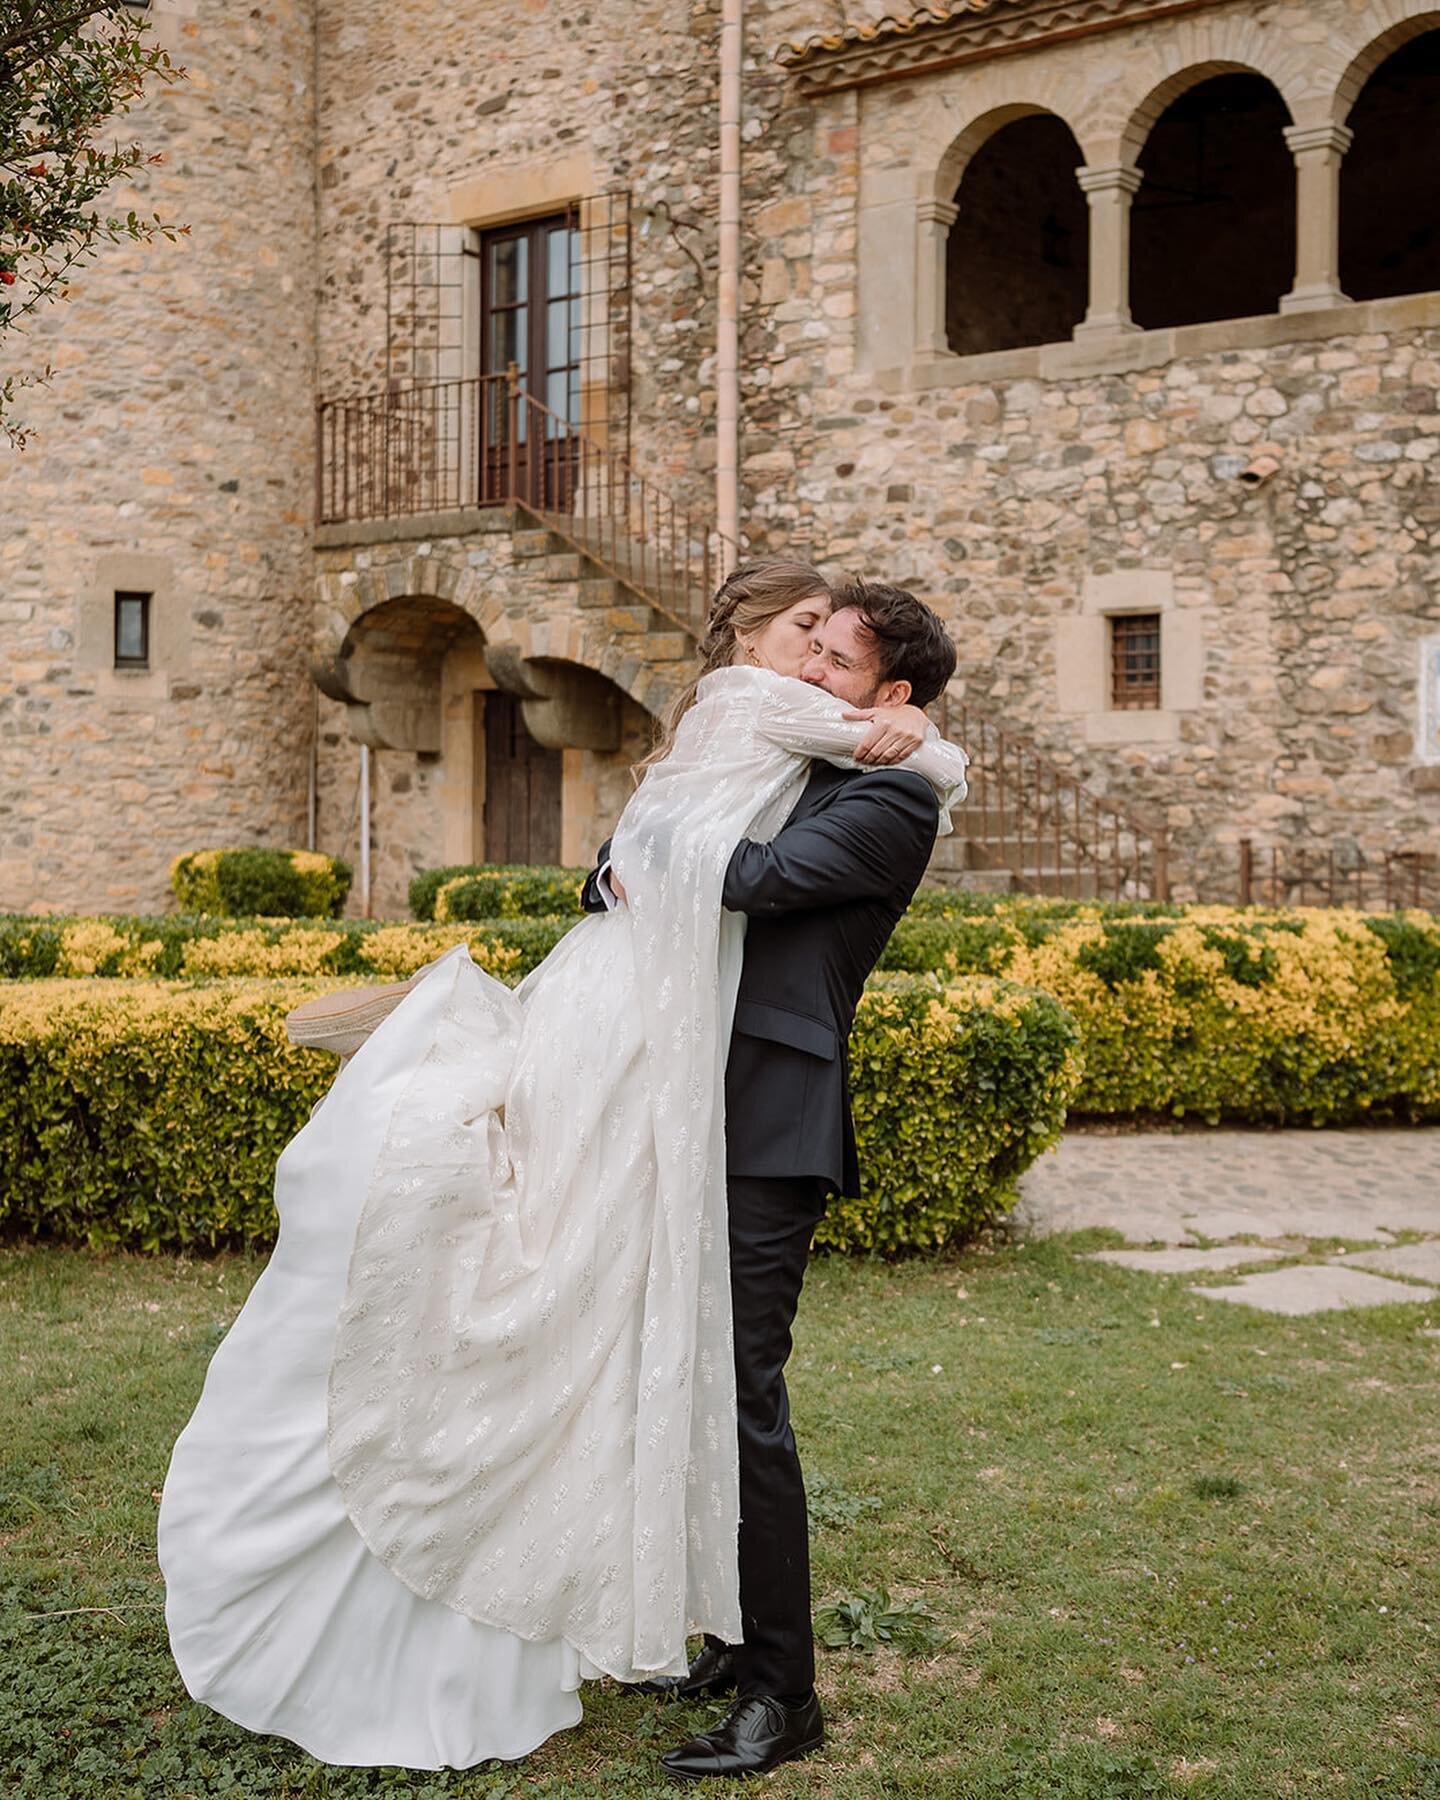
(173, 452)
(997, 500)
(999, 490)
(996, 492)
(414, 123)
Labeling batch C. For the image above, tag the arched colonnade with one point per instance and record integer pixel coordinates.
(1222, 173)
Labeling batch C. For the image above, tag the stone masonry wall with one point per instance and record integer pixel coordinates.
(171, 453)
(1000, 492)
(1001, 489)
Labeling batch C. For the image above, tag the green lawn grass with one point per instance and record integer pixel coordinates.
(1180, 1547)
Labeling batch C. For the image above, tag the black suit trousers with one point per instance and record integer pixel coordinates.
(772, 1220)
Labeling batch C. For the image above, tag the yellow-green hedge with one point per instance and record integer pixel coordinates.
(237, 884)
(150, 1115)
(1254, 1014)
(38, 948)
(496, 891)
(1297, 1015)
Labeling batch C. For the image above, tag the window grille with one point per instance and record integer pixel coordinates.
(440, 295)
(1134, 661)
(132, 631)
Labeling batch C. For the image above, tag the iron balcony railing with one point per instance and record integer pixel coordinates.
(1025, 816)
(485, 441)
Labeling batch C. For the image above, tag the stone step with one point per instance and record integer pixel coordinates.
(599, 590)
(565, 565)
(669, 646)
(627, 617)
(530, 543)
(971, 881)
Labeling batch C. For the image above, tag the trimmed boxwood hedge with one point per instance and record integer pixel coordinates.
(281, 884)
(1253, 1015)
(1301, 1016)
(38, 948)
(496, 891)
(150, 1115)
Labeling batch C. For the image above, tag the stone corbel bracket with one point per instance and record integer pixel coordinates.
(564, 706)
(399, 713)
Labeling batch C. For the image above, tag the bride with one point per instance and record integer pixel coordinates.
(472, 1438)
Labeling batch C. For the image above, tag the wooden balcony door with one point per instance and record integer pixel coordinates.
(522, 786)
(530, 315)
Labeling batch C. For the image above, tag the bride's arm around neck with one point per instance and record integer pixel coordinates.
(810, 721)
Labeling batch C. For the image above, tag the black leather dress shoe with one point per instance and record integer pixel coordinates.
(711, 1673)
(757, 1734)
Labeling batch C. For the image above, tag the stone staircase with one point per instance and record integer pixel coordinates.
(649, 648)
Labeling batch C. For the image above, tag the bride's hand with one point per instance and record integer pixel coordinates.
(895, 733)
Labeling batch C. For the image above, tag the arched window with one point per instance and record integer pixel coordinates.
(1212, 233)
(1016, 258)
(1390, 179)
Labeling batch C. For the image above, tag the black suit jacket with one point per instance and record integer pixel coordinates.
(822, 900)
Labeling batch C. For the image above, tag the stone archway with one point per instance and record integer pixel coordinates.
(1017, 243)
(1212, 225)
(409, 640)
(387, 672)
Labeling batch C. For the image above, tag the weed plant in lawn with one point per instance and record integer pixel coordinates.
(1174, 1547)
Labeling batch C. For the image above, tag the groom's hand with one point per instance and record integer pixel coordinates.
(895, 733)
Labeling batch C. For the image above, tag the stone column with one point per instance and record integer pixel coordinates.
(1318, 151)
(1109, 192)
(933, 219)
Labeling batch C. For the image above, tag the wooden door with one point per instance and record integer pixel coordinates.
(530, 284)
(522, 788)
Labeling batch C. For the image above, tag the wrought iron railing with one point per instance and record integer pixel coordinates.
(1337, 875)
(487, 442)
(1026, 816)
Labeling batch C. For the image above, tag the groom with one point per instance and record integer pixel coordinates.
(822, 900)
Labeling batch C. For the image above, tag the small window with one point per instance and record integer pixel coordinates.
(132, 631)
(1135, 661)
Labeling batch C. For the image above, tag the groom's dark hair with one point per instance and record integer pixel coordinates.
(911, 641)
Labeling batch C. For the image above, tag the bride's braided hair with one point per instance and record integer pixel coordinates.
(745, 601)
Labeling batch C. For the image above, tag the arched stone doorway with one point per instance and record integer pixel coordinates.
(519, 785)
(476, 751)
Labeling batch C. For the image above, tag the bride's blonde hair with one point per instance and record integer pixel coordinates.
(745, 601)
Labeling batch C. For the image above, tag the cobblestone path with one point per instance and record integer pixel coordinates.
(1220, 1200)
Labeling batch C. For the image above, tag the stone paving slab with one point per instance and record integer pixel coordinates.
(1184, 1262)
(1175, 1187)
(1422, 1261)
(1315, 1287)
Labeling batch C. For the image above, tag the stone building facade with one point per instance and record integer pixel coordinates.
(1110, 326)
(172, 457)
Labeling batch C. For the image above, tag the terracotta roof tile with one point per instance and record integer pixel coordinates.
(870, 31)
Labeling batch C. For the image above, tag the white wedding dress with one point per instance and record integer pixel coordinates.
(472, 1438)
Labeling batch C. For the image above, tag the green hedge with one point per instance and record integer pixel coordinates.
(177, 946)
(279, 884)
(1262, 1015)
(496, 891)
(956, 1087)
(150, 1115)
